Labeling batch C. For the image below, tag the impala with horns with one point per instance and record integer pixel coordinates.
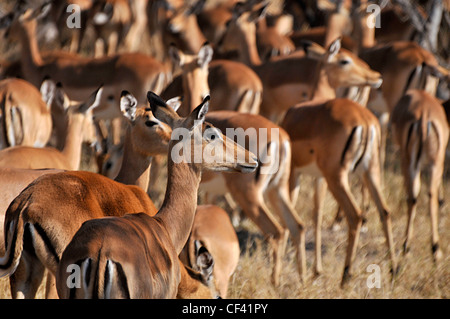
(151, 269)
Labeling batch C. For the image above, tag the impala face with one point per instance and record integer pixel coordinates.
(195, 142)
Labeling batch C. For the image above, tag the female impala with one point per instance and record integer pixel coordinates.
(332, 138)
(151, 269)
(79, 196)
(421, 130)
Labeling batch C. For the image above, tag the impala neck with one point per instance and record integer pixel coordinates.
(74, 141)
(321, 88)
(180, 202)
(250, 55)
(31, 58)
(194, 87)
(135, 169)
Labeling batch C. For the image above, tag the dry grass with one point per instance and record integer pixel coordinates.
(419, 277)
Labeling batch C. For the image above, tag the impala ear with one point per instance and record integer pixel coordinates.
(175, 102)
(205, 55)
(161, 110)
(128, 105)
(48, 90)
(197, 116)
(204, 261)
(176, 55)
(258, 14)
(92, 102)
(334, 48)
(313, 50)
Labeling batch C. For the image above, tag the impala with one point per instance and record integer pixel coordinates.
(25, 116)
(332, 138)
(79, 196)
(151, 269)
(49, 157)
(213, 233)
(421, 130)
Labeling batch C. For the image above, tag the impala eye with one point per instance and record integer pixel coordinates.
(150, 123)
(344, 62)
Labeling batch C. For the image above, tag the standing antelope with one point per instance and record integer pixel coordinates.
(332, 138)
(25, 116)
(49, 157)
(151, 269)
(213, 232)
(79, 196)
(421, 130)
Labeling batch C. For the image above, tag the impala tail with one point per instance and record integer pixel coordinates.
(12, 122)
(359, 146)
(13, 232)
(94, 279)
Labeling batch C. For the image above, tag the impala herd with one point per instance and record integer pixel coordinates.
(318, 101)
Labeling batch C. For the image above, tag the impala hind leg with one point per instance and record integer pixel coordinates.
(372, 180)
(340, 189)
(435, 180)
(319, 195)
(412, 185)
(280, 202)
(27, 278)
(254, 208)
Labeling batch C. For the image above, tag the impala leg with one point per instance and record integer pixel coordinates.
(435, 180)
(27, 278)
(279, 199)
(294, 185)
(340, 189)
(412, 184)
(319, 195)
(372, 180)
(50, 287)
(253, 206)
